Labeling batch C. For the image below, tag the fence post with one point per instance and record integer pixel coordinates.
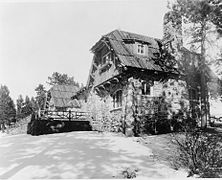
(69, 115)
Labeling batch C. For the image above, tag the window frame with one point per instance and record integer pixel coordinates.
(144, 89)
(104, 56)
(117, 99)
(140, 48)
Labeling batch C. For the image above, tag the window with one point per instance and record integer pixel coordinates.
(117, 99)
(106, 58)
(115, 60)
(146, 89)
(140, 49)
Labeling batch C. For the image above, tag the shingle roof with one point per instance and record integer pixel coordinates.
(61, 95)
(123, 35)
(120, 42)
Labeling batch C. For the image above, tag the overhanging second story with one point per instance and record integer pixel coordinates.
(119, 50)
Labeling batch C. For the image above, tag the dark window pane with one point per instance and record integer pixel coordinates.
(117, 99)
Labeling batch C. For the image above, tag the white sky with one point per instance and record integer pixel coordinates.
(39, 38)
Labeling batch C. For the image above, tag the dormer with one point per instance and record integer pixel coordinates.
(140, 48)
(137, 46)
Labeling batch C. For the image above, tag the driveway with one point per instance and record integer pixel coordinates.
(77, 155)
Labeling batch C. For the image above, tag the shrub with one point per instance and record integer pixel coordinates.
(199, 152)
(129, 173)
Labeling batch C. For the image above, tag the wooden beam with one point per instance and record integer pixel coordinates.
(108, 83)
(91, 75)
(96, 89)
(101, 86)
(90, 70)
(116, 79)
(106, 43)
(94, 64)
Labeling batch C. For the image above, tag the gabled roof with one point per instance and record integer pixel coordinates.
(61, 95)
(121, 41)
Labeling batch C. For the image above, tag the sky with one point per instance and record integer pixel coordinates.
(38, 38)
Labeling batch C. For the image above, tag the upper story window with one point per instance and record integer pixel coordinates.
(115, 60)
(106, 58)
(117, 99)
(140, 49)
(146, 89)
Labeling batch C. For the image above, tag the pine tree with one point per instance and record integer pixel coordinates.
(7, 106)
(41, 96)
(217, 15)
(20, 105)
(27, 109)
(34, 104)
(62, 79)
(203, 16)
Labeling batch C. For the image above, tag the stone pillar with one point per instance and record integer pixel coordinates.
(137, 106)
(129, 115)
(132, 98)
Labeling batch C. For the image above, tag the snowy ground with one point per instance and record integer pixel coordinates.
(216, 108)
(77, 155)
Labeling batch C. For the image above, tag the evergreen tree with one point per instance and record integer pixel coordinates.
(34, 104)
(20, 105)
(7, 106)
(40, 97)
(217, 14)
(27, 109)
(203, 16)
(62, 79)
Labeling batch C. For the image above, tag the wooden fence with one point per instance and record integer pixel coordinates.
(64, 115)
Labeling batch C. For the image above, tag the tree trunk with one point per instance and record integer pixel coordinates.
(204, 88)
(204, 109)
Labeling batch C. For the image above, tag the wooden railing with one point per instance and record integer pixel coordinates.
(64, 115)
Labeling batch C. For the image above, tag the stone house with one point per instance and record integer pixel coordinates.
(128, 82)
(129, 89)
(132, 87)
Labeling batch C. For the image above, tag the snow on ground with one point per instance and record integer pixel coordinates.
(216, 108)
(77, 155)
(2, 134)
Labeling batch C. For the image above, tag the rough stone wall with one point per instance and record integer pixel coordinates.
(169, 97)
(99, 112)
(100, 105)
(172, 91)
(175, 96)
